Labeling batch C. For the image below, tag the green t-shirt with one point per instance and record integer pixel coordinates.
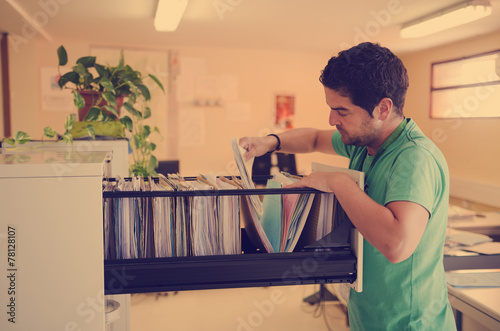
(412, 294)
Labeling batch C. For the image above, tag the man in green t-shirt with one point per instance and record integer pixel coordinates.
(402, 212)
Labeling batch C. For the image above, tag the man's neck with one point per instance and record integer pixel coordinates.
(386, 132)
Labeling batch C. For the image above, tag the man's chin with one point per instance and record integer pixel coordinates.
(345, 139)
(348, 141)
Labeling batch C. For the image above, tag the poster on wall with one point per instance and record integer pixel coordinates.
(285, 111)
(52, 97)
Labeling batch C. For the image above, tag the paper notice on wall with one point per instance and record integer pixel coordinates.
(192, 127)
(52, 97)
(228, 87)
(189, 69)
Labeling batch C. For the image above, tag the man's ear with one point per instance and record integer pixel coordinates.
(384, 108)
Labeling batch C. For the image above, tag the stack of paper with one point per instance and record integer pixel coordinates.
(169, 225)
(284, 215)
(163, 221)
(245, 169)
(228, 214)
(276, 223)
(286, 218)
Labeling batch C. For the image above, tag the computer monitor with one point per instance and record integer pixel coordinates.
(166, 167)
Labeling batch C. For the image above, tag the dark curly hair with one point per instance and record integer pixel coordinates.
(367, 73)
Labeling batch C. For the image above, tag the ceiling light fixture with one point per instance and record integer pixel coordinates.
(450, 17)
(169, 14)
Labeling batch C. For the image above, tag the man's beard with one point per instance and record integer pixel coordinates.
(367, 136)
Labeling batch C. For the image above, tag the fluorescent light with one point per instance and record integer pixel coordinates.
(169, 14)
(462, 13)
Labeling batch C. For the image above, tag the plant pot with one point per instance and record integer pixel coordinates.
(90, 98)
(113, 129)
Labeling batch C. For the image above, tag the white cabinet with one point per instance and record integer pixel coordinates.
(51, 242)
(118, 148)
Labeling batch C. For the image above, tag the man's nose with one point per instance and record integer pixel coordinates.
(334, 118)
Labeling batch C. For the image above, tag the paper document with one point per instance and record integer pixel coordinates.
(466, 238)
(168, 225)
(245, 169)
(485, 248)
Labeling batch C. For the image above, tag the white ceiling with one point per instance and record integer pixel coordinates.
(317, 25)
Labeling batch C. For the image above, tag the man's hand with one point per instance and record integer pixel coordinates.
(257, 146)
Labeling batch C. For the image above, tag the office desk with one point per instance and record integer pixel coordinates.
(476, 308)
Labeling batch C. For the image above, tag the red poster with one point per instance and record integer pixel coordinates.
(285, 111)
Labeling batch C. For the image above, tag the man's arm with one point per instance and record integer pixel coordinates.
(394, 230)
(301, 140)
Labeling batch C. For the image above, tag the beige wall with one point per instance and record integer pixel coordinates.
(23, 89)
(471, 146)
(260, 75)
(1, 98)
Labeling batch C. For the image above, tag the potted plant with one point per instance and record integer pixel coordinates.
(99, 91)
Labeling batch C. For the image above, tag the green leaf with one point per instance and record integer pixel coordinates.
(49, 132)
(107, 84)
(145, 91)
(122, 60)
(21, 137)
(132, 98)
(71, 76)
(80, 69)
(152, 146)
(91, 131)
(62, 56)
(138, 170)
(157, 81)
(78, 100)
(138, 141)
(156, 129)
(147, 113)
(128, 106)
(9, 141)
(68, 124)
(107, 117)
(102, 71)
(127, 123)
(93, 114)
(146, 131)
(111, 110)
(68, 138)
(153, 163)
(87, 61)
(110, 98)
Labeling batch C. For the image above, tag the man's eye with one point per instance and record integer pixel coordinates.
(341, 114)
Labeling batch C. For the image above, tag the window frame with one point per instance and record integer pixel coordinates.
(433, 89)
